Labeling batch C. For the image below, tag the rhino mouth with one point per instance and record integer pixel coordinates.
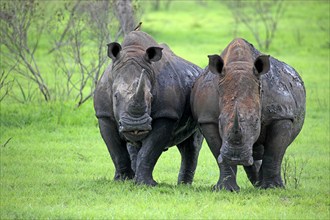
(235, 156)
(135, 128)
(137, 132)
(222, 159)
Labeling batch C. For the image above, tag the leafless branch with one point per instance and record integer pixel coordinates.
(5, 84)
(59, 43)
(16, 24)
(258, 15)
(78, 32)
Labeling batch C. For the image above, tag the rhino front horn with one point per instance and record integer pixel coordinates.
(137, 106)
(139, 94)
(236, 127)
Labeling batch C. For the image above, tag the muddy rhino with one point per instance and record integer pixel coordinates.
(142, 102)
(249, 107)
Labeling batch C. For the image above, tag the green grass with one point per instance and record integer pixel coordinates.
(56, 165)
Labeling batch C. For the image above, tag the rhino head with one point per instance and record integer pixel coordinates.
(239, 104)
(132, 82)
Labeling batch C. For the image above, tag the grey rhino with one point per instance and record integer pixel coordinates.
(142, 105)
(249, 107)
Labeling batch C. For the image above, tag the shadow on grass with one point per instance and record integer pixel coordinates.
(104, 183)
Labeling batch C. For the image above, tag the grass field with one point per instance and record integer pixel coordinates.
(55, 165)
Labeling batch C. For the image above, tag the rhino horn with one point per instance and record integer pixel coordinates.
(137, 106)
(139, 93)
(236, 132)
(236, 127)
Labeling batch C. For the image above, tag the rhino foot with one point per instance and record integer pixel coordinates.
(121, 176)
(145, 181)
(226, 186)
(271, 184)
(186, 177)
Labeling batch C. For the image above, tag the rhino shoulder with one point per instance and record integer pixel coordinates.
(204, 98)
(283, 92)
(102, 96)
(174, 79)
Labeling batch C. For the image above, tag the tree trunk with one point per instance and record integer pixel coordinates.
(125, 14)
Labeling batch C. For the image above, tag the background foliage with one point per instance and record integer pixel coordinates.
(54, 163)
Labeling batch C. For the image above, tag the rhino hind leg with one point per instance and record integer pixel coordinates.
(117, 150)
(133, 152)
(189, 150)
(252, 172)
(279, 136)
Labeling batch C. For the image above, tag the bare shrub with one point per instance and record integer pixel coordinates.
(5, 84)
(292, 170)
(260, 17)
(81, 49)
(80, 52)
(77, 35)
(20, 40)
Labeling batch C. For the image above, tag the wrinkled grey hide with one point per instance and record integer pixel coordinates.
(142, 103)
(249, 107)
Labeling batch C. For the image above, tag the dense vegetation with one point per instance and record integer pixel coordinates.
(54, 163)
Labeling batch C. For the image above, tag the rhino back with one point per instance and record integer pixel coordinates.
(139, 38)
(205, 98)
(102, 96)
(283, 93)
(174, 78)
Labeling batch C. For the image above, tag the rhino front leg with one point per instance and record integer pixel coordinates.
(151, 149)
(227, 177)
(133, 152)
(279, 136)
(189, 150)
(117, 149)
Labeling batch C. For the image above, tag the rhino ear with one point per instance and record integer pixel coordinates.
(262, 64)
(215, 64)
(113, 50)
(153, 54)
